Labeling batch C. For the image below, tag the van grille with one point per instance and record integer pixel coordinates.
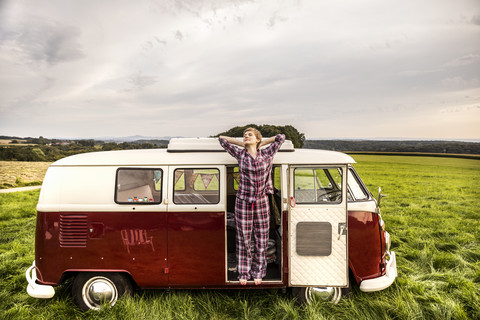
(73, 230)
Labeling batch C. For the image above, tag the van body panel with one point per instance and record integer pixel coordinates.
(135, 242)
(195, 248)
(365, 245)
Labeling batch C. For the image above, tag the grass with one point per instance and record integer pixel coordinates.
(21, 173)
(431, 213)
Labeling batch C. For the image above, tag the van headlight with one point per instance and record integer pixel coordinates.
(387, 241)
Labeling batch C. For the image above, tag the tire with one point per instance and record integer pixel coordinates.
(306, 295)
(92, 290)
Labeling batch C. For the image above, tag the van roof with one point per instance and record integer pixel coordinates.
(207, 152)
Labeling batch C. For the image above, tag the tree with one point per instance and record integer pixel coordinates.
(86, 143)
(267, 130)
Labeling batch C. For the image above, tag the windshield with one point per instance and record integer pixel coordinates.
(356, 189)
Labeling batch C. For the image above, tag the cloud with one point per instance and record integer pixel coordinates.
(476, 20)
(140, 82)
(274, 19)
(39, 42)
(463, 60)
(178, 35)
(456, 82)
(201, 64)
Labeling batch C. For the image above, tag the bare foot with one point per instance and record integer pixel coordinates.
(257, 281)
(243, 282)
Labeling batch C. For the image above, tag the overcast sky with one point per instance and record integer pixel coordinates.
(332, 69)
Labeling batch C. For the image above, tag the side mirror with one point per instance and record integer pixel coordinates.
(380, 196)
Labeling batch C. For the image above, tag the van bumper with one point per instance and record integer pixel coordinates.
(34, 289)
(382, 282)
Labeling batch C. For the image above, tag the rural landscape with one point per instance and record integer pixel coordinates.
(392, 84)
(431, 212)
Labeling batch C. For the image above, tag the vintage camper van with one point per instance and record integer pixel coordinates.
(163, 218)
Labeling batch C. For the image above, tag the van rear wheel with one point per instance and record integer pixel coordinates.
(306, 295)
(92, 290)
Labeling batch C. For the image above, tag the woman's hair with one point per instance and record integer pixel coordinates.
(257, 133)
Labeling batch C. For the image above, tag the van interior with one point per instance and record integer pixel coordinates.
(274, 250)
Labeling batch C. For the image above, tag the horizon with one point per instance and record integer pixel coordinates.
(141, 137)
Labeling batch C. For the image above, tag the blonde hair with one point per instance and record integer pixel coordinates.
(257, 133)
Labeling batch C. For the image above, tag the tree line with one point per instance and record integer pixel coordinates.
(425, 146)
(42, 149)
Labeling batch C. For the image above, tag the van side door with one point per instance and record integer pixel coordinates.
(139, 223)
(196, 225)
(318, 226)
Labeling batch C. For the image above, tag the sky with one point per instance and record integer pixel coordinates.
(332, 69)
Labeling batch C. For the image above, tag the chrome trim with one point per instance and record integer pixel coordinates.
(99, 290)
(387, 241)
(332, 294)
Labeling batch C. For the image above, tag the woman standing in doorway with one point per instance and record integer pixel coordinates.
(252, 212)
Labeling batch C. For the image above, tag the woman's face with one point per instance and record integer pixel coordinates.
(250, 138)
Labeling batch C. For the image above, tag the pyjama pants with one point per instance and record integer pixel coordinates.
(252, 219)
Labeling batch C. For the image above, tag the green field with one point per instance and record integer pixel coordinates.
(22, 173)
(431, 213)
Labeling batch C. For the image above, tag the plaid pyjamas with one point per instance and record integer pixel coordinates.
(252, 214)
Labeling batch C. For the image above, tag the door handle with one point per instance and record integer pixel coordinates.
(342, 229)
(292, 202)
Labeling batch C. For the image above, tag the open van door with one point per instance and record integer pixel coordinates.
(318, 226)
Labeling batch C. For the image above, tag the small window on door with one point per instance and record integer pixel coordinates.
(138, 186)
(196, 186)
(318, 185)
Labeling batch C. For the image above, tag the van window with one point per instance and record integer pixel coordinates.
(196, 186)
(234, 174)
(318, 185)
(355, 187)
(277, 184)
(139, 186)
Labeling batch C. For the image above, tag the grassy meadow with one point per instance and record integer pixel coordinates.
(22, 173)
(431, 212)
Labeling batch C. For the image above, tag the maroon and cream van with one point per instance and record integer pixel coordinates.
(163, 218)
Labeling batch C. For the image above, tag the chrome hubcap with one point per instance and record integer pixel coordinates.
(99, 290)
(332, 294)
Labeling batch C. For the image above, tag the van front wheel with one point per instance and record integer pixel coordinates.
(306, 295)
(92, 290)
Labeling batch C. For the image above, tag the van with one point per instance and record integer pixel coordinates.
(163, 218)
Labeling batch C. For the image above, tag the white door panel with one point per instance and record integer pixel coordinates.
(318, 238)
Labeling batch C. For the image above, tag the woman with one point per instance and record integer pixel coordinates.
(252, 212)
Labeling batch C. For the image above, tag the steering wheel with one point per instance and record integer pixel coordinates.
(334, 195)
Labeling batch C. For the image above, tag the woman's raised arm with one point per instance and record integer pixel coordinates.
(234, 141)
(267, 141)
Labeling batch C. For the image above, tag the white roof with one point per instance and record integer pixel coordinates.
(194, 156)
